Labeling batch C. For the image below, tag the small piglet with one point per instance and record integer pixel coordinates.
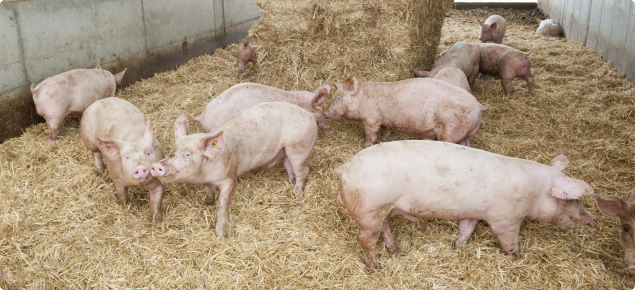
(493, 29)
(423, 108)
(117, 129)
(245, 95)
(625, 210)
(425, 179)
(461, 55)
(454, 76)
(246, 53)
(506, 63)
(548, 27)
(70, 93)
(258, 136)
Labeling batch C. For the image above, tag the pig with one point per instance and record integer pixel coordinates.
(244, 95)
(425, 179)
(258, 136)
(454, 76)
(423, 108)
(548, 27)
(117, 129)
(505, 62)
(625, 210)
(461, 55)
(493, 29)
(246, 53)
(70, 93)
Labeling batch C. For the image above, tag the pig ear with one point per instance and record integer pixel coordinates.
(560, 162)
(548, 17)
(611, 206)
(538, 20)
(97, 66)
(351, 85)
(321, 93)
(213, 145)
(119, 76)
(479, 21)
(181, 127)
(33, 89)
(422, 73)
(148, 135)
(494, 25)
(569, 188)
(111, 147)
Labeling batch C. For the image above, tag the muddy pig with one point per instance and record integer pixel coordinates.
(258, 136)
(426, 179)
(505, 62)
(244, 95)
(461, 55)
(423, 108)
(117, 129)
(548, 27)
(69, 93)
(246, 53)
(612, 206)
(493, 29)
(454, 76)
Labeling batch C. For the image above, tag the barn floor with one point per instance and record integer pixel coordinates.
(61, 226)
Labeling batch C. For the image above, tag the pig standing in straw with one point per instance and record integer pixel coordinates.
(246, 53)
(461, 55)
(70, 93)
(505, 62)
(117, 129)
(493, 29)
(425, 179)
(258, 136)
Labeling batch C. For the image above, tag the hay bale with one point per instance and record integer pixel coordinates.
(377, 40)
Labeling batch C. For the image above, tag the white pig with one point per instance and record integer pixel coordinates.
(493, 29)
(548, 27)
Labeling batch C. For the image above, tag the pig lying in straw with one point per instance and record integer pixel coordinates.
(424, 179)
(505, 62)
(493, 29)
(258, 136)
(548, 27)
(461, 55)
(70, 93)
(246, 53)
(117, 129)
(244, 95)
(612, 206)
(423, 108)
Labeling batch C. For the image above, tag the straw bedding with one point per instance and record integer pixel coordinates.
(61, 227)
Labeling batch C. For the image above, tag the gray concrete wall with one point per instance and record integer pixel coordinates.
(606, 26)
(41, 38)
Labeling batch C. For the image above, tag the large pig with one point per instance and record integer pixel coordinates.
(461, 55)
(258, 136)
(493, 29)
(454, 76)
(244, 95)
(548, 27)
(625, 210)
(424, 179)
(423, 108)
(117, 129)
(505, 62)
(70, 93)
(246, 53)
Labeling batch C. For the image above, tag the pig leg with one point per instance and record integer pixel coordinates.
(507, 234)
(156, 200)
(473, 75)
(380, 133)
(99, 162)
(372, 127)
(300, 167)
(122, 192)
(224, 201)
(289, 167)
(210, 195)
(388, 238)
(52, 129)
(466, 227)
(507, 85)
(369, 228)
(241, 70)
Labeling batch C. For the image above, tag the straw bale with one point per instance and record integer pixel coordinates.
(61, 226)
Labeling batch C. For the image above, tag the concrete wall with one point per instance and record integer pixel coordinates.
(41, 38)
(606, 26)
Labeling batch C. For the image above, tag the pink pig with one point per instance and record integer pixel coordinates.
(625, 210)
(70, 93)
(493, 29)
(423, 108)
(246, 53)
(258, 136)
(119, 130)
(453, 76)
(424, 179)
(548, 27)
(505, 62)
(461, 55)
(244, 95)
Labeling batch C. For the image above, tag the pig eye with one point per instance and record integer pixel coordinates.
(626, 229)
(186, 154)
(127, 157)
(339, 98)
(148, 153)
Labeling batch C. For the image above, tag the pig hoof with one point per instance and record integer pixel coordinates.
(50, 142)
(394, 249)
(458, 243)
(209, 201)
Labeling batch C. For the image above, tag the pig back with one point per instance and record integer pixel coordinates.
(460, 55)
(113, 118)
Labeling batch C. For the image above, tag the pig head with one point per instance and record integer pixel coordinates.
(625, 210)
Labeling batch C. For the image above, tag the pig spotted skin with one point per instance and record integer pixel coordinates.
(425, 179)
(453, 76)
(244, 95)
(258, 136)
(505, 62)
(548, 27)
(117, 129)
(461, 55)
(70, 93)
(423, 108)
(493, 30)
(625, 211)
(246, 53)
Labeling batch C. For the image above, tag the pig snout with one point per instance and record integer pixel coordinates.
(157, 170)
(631, 270)
(141, 173)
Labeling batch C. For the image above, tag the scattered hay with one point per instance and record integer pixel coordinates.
(61, 227)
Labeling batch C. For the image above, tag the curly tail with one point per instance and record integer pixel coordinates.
(484, 108)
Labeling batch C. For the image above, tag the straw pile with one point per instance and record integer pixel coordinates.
(61, 227)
